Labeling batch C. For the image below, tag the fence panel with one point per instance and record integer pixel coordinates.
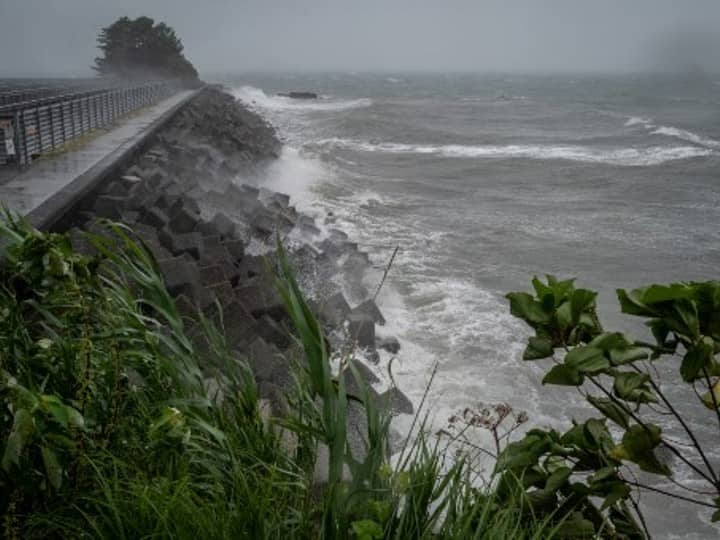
(42, 118)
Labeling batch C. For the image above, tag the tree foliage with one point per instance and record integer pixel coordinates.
(140, 48)
(592, 470)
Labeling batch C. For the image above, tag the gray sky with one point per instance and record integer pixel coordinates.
(57, 37)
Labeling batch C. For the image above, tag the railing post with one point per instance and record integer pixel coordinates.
(52, 126)
(16, 137)
(62, 121)
(39, 130)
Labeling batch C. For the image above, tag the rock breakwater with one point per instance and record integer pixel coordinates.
(213, 238)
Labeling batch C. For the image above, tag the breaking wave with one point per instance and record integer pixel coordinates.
(255, 97)
(670, 131)
(686, 136)
(628, 157)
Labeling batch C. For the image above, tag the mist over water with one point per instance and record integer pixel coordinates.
(485, 181)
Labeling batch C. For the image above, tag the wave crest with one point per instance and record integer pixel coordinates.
(629, 157)
(255, 97)
(670, 131)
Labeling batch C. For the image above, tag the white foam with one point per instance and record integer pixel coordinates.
(294, 173)
(639, 121)
(670, 131)
(685, 135)
(629, 157)
(255, 97)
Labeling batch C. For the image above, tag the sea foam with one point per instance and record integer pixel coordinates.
(255, 97)
(628, 157)
(671, 131)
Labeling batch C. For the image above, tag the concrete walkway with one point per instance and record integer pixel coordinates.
(26, 190)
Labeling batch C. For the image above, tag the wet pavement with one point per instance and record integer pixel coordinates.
(24, 190)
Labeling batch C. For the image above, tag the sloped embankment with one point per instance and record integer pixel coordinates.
(213, 239)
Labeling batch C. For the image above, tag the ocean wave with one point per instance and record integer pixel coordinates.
(639, 121)
(629, 157)
(670, 131)
(685, 135)
(255, 97)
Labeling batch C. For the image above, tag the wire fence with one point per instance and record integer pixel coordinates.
(38, 119)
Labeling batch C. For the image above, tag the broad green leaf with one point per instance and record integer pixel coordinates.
(664, 293)
(611, 340)
(639, 443)
(75, 419)
(632, 386)
(582, 299)
(367, 529)
(660, 331)
(576, 527)
(564, 315)
(541, 290)
(620, 357)
(53, 469)
(611, 410)
(618, 491)
(22, 429)
(587, 359)
(538, 347)
(630, 304)
(557, 479)
(56, 408)
(697, 357)
(602, 474)
(597, 431)
(707, 397)
(563, 375)
(525, 307)
(687, 313)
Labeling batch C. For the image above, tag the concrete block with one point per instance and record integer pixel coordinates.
(361, 329)
(236, 249)
(267, 363)
(261, 299)
(108, 206)
(224, 226)
(211, 275)
(369, 308)
(252, 266)
(180, 277)
(155, 218)
(182, 221)
(177, 244)
(335, 309)
(396, 401)
(273, 332)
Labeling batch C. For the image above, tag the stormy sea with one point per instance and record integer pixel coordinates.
(483, 182)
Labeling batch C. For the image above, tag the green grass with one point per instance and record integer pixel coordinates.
(107, 430)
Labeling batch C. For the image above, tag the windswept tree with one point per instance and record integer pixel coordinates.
(139, 48)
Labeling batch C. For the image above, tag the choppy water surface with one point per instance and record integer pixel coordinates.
(484, 181)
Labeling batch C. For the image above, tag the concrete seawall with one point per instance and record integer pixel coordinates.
(48, 191)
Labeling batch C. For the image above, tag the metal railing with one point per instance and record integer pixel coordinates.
(30, 127)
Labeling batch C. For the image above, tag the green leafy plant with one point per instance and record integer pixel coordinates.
(109, 428)
(618, 376)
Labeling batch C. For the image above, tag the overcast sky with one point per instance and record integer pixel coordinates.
(57, 37)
